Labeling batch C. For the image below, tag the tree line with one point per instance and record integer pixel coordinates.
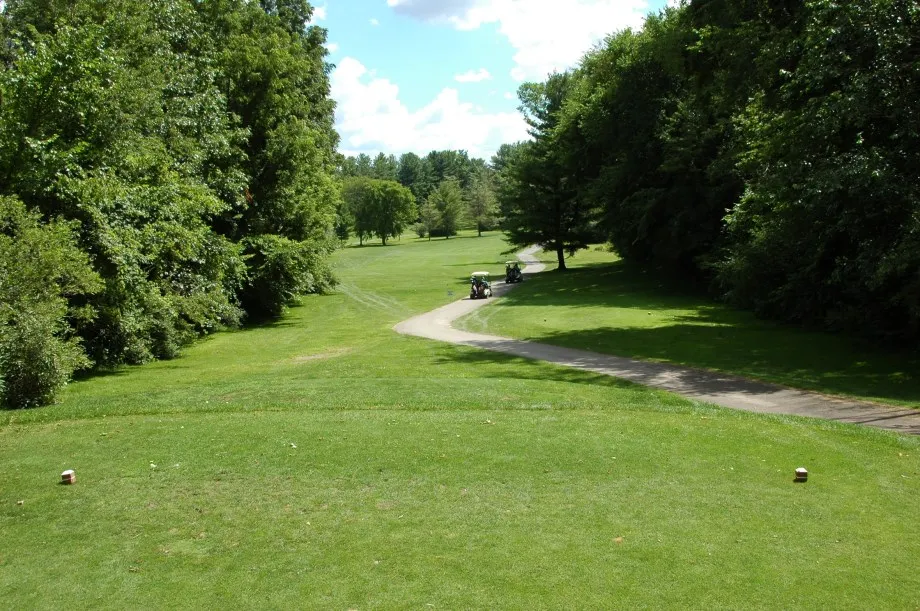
(436, 195)
(166, 169)
(766, 149)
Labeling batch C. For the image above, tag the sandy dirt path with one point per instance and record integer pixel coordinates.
(713, 387)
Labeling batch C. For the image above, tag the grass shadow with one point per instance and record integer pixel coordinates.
(754, 354)
(517, 367)
(687, 327)
(597, 284)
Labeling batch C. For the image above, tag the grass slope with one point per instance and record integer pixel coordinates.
(607, 306)
(324, 461)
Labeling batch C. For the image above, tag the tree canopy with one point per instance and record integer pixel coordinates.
(763, 148)
(383, 208)
(186, 145)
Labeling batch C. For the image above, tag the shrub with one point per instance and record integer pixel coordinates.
(280, 270)
(40, 266)
(37, 358)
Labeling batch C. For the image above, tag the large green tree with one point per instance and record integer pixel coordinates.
(379, 207)
(394, 209)
(183, 138)
(540, 199)
(828, 229)
(760, 147)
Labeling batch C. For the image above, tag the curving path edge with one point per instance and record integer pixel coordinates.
(713, 387)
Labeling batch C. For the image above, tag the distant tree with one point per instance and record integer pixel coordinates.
(358, 206)
(347, 167)
(378, 207)
(364, 165)
(429, 217)
(415, 173)
(448, 201)
(385, 167)
(393, 208)
(447, 164)
(482, 206)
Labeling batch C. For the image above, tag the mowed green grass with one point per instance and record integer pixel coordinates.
(325, 462)
(608, 306)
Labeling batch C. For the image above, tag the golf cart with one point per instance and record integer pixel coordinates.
(513, 272)
(479, 285)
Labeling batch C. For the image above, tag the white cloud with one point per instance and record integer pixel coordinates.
(332, 47)
(473, 76)
(370, 117)
(510, 96)
(374, 22)
(319, 13)
(547, 35)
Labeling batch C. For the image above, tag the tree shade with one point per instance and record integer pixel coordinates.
(766, 149)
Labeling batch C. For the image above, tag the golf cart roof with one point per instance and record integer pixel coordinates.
(480, 274)
(511, 262)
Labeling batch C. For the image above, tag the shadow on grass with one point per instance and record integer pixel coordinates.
(705, 334)
(611, 372)
(475, 266)
(374, 245)
(757, 354)
(528, 369)
(618, 285)
(104, 372)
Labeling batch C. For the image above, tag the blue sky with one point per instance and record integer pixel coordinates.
(418, 75)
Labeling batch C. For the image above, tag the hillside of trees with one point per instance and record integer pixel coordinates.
(449, 191)
(166, 169)
(767, 149)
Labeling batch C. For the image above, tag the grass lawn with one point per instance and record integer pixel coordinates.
(605, 305)
(326, 462)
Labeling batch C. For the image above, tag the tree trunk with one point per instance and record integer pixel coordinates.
(561, 256)
(360, 240)
(479, 227)
(384, 240)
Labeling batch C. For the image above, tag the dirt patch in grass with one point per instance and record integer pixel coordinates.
(331, 354)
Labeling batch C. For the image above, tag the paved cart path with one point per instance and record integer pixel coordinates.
(722, 389)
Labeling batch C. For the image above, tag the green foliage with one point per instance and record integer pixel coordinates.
(280, 270)
(481, 202)
(539, 199)
(385, 167)
(828, 230)
(447, 200)
(394, 209)
(171, 132)
(40, 268)
(761, 148)
(378, 207)
(416, 174)
(429, 219)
